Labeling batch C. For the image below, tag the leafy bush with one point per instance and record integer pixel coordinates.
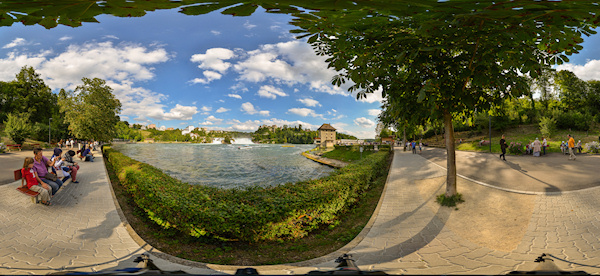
(257, 213)
(17, 127)
(547, 126)
(592, 147)
(574, 120)
(516, 148)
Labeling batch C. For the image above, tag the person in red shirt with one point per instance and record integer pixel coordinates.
(34, 182)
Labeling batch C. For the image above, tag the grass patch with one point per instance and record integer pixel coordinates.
(346, 155)
(322, 241)
(449, 201)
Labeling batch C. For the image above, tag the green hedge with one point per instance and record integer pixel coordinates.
(283, 212)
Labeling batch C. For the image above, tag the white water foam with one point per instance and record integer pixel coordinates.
(237, 141)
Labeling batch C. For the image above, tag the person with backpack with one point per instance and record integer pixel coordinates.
(72, 165)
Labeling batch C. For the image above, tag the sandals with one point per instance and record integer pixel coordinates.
(74, 181)
(47, 203)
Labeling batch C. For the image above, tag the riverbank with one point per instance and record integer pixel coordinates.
(325, 161)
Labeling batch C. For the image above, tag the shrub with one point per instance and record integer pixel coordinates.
(256, 213)
(592, 147)
(574, 120)
(17, 127)
(547, 126)
(516, 148)
(449, 201)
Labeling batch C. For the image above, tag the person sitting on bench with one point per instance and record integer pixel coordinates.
(34, 182)
(87, 154)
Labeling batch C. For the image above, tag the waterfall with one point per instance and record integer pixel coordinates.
(242, 141)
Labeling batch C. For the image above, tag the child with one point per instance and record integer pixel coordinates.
(34, 183)
(59, 167)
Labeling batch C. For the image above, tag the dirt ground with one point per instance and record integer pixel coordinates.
(489, 217)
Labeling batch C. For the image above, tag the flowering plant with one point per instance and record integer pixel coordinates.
(515, 148)
(592, 147)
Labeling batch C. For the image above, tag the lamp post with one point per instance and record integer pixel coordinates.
(490, 129)
(49, 120)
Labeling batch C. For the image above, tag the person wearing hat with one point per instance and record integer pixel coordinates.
(537, 147)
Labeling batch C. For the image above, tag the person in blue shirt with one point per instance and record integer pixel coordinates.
(87, 154)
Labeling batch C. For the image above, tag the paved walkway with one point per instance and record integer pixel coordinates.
(83, 231)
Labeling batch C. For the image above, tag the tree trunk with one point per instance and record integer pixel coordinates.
(451, 156)
(532, 107)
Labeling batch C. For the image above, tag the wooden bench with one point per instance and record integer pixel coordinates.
(14, 146)
(23, 188)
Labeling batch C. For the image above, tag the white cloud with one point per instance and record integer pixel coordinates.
(208, 77)
(589, 71)
(374, 112)
(249, 108)
(145, 105)
(289, 63)
(304, 112)
(215, 32)
(222, 109)
(248, 25)
(234, 96)
(65, 38)
(16, 42)
(214, 59)
(124, 62)
(309, 102)
(271, 92)
(120, 65)
(206, 123)
(110, 37)
(12, 64)
(213, 62)
(213, 120)
(206, 110)
(180, 112)
(364, 122)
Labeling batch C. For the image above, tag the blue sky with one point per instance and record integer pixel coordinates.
(214, 71)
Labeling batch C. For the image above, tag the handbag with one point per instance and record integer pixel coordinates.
(51, 177)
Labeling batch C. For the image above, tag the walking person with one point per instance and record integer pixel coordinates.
(571, 146)
(503, 147)
(414, 147)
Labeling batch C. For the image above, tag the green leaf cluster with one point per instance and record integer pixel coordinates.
(17, 127)
(91, 110)
(287, 211)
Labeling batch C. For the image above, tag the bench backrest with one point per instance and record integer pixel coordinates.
(18, 174)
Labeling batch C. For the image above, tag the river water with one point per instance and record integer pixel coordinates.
(228, 166)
